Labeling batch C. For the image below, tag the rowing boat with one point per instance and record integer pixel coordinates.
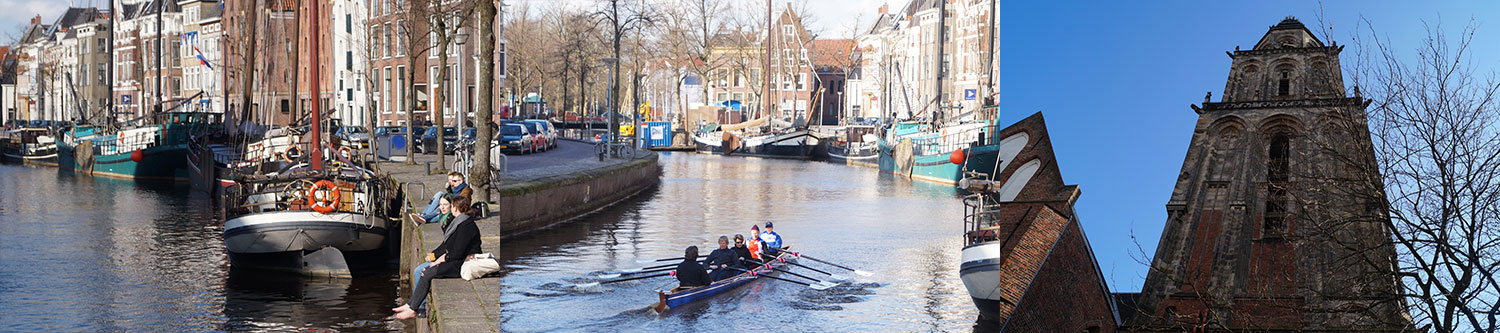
(668, 299)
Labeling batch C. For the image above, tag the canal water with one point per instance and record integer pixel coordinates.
(96, 254)
(907, 233)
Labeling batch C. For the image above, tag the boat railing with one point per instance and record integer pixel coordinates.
(981, 215)
(948, 142)
(292, 195)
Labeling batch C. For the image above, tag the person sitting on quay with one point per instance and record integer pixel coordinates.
(456, 186)
(742, 253)
(770, 241)
(720, 261)
(460, 242)
(689, 273)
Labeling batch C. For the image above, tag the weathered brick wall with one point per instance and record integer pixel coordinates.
(1066, 294)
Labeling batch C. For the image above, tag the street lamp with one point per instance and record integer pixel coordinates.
(462, 103)
(614, 119)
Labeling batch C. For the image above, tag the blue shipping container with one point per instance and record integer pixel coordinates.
(658, 134)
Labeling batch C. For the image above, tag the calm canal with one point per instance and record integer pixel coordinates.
(907, 233)
(96, 254)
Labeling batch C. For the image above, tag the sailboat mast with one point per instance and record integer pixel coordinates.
(312, 77)
(766, 74)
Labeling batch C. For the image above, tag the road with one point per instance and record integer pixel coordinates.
(566, 151)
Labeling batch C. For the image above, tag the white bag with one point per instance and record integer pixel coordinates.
(481, 264)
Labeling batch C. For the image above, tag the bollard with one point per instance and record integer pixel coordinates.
(429, 167)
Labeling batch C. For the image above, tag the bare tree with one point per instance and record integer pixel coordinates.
(1435, 123)
(479, 174)
(632, 20)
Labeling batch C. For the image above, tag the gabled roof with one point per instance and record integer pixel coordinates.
(832, 52)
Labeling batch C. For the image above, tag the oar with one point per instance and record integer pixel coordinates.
(814, 286)
(794, 274)
(658, 260)
(636, 271)
(834, 276)
(591, 284)
(800, 255)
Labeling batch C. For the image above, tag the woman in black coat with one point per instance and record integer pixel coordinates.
(460, 241)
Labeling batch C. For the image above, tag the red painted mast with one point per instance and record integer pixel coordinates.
(316, 149)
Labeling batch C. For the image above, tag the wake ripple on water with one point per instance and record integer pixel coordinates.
(827, 300)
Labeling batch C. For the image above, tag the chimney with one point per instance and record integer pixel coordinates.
(884, 8)
(36, 20)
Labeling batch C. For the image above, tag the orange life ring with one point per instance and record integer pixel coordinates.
(287, 154)
(324, 196)
(346, 152)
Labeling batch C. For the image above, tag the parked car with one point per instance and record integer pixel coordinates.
(430, 141)
(355, 136)
(515, 138)
(538, 134)
(547, 131)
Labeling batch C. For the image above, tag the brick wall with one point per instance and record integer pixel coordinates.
(1066, 294)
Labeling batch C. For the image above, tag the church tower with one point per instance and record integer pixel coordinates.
(1258, 233)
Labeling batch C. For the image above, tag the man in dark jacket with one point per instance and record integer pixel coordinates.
(689, 273)
(722, 261)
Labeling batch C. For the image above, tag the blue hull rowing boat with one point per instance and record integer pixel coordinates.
(680, 296)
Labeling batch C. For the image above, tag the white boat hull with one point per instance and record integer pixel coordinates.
(980, 272)
(303, 231)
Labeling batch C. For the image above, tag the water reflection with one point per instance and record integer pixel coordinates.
(95, 254)
(908, 233)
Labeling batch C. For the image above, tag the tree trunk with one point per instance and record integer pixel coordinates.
(411, 103)
(437, 109)
(479, 175)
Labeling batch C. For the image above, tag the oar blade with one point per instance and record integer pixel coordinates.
(863, 273)
(821, 285)
(838, 277)
(633, 270)
(643, 261)
(586, 285)
(609, 276)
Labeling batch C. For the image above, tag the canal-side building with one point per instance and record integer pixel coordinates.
(1258, 217)
(263, 54)
(147, 70)
(199, 56)
(1050, 280)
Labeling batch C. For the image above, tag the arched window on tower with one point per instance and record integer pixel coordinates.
(1278, 175)
(1284, 84)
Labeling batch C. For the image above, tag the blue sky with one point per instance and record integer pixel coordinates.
(1115, 78)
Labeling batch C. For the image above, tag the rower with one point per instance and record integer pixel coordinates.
(721, 260)
(754, 243)
(742, 253)
(689, 273)
(771, 241)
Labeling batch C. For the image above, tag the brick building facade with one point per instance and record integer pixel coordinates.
(1049, 278)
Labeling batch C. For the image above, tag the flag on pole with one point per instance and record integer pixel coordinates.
(201, 58)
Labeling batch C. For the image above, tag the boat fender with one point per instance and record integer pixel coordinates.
(137, 156)
(324, 196)
(672, 273)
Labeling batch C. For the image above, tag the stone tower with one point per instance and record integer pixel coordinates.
(1258, 234)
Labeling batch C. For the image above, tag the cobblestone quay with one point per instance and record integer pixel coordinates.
(536, 192)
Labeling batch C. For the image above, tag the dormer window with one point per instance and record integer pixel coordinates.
(1284, 84)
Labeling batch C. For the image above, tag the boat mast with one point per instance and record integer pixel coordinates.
(989, 64)
(766, 73)
(942, 34)
(315, 149)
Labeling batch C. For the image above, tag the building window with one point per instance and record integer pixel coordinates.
(1278, 173)
(1284, 85)
(802, 81)
(348, 60)
(286, 106)
(349, 23)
